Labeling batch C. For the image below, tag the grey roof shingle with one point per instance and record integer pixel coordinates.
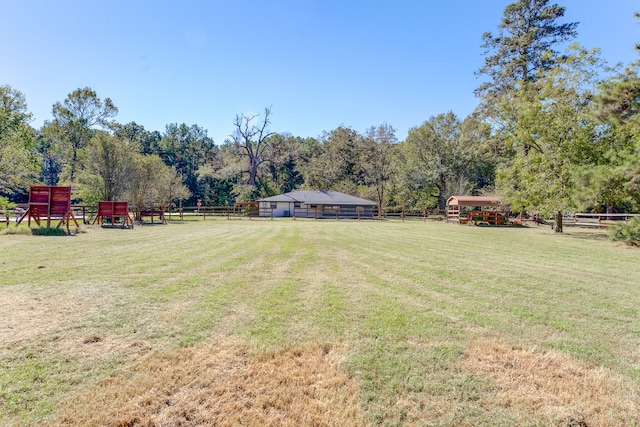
(319, 197)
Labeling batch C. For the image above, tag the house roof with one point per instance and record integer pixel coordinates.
(319, 197)
(473, 201)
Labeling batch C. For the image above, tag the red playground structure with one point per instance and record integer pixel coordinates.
(50, 203)
(113, 210)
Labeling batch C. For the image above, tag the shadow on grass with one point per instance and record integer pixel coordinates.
(116, 226)
(587, 234)
(52, 231)
(24, 230)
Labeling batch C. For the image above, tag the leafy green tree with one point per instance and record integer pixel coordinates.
(614, 180)
(108, 168)
(74, 123)
(144, 141)
(409, 188)
(335, 164)
(154, 184)
(51, 159)
(434, 155)
(521, 52)
(555, 122)
(19, 163)
(480, 158)
(309, 151)
(523, 46)
(375, 160)
(283, 174)
(187, 149)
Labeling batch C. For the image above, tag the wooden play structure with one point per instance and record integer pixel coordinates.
(113, 211)
(478, 210)
(50, 203)
(156, 216)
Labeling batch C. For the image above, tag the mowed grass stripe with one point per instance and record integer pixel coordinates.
(241, 283)
(406, 302)
(523, 301)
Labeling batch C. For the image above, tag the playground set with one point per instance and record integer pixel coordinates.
(112, 211)
(476, 210)
(50, 204)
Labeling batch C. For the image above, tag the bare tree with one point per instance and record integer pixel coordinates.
(252, 140)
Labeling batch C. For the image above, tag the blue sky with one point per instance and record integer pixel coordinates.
(318, 64)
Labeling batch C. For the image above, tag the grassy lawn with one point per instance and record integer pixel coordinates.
(238, 322)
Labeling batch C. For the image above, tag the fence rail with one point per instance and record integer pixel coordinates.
(337, 213)
(414, 214)
(87, 213)
(599, 220)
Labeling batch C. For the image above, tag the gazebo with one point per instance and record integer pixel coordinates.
(485, 209)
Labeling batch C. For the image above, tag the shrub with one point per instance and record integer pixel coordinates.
(5, 204)
(628, 232)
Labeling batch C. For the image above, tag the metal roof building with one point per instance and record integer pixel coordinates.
(315, 203)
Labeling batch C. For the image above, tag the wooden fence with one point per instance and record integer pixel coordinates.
(599, 220)
(414, 214)
(87, 213)
(337, 213)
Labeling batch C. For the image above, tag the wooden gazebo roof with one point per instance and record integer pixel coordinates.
(473, 201)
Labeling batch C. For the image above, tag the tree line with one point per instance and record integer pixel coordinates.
(553, 131)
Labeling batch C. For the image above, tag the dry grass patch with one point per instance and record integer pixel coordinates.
(227, 382)
(29, 314)
(558, 389)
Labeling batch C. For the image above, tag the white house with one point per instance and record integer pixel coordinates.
(316, 204)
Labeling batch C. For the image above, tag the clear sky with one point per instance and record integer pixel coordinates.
(319, 64)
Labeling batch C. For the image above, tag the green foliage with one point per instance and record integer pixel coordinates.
(614, 179)
(628, 232)
(335, 164)
(153, 183)
(550, 132)
(108, 168)
(19, 163)
(376, 160)
(75, 122)
(524, 46)
(6, 205)
(187, 149)
(441, 158)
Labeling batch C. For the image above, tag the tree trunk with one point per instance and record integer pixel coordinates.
(442, 188)
(380, 193)
(558, 222)
(253, 170)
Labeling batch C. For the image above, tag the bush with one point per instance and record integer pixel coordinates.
(628, 232)
(6, 205)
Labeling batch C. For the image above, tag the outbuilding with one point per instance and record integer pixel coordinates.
(460, 207)
(316, 204)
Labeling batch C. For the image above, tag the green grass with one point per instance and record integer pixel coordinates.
(406, 298)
